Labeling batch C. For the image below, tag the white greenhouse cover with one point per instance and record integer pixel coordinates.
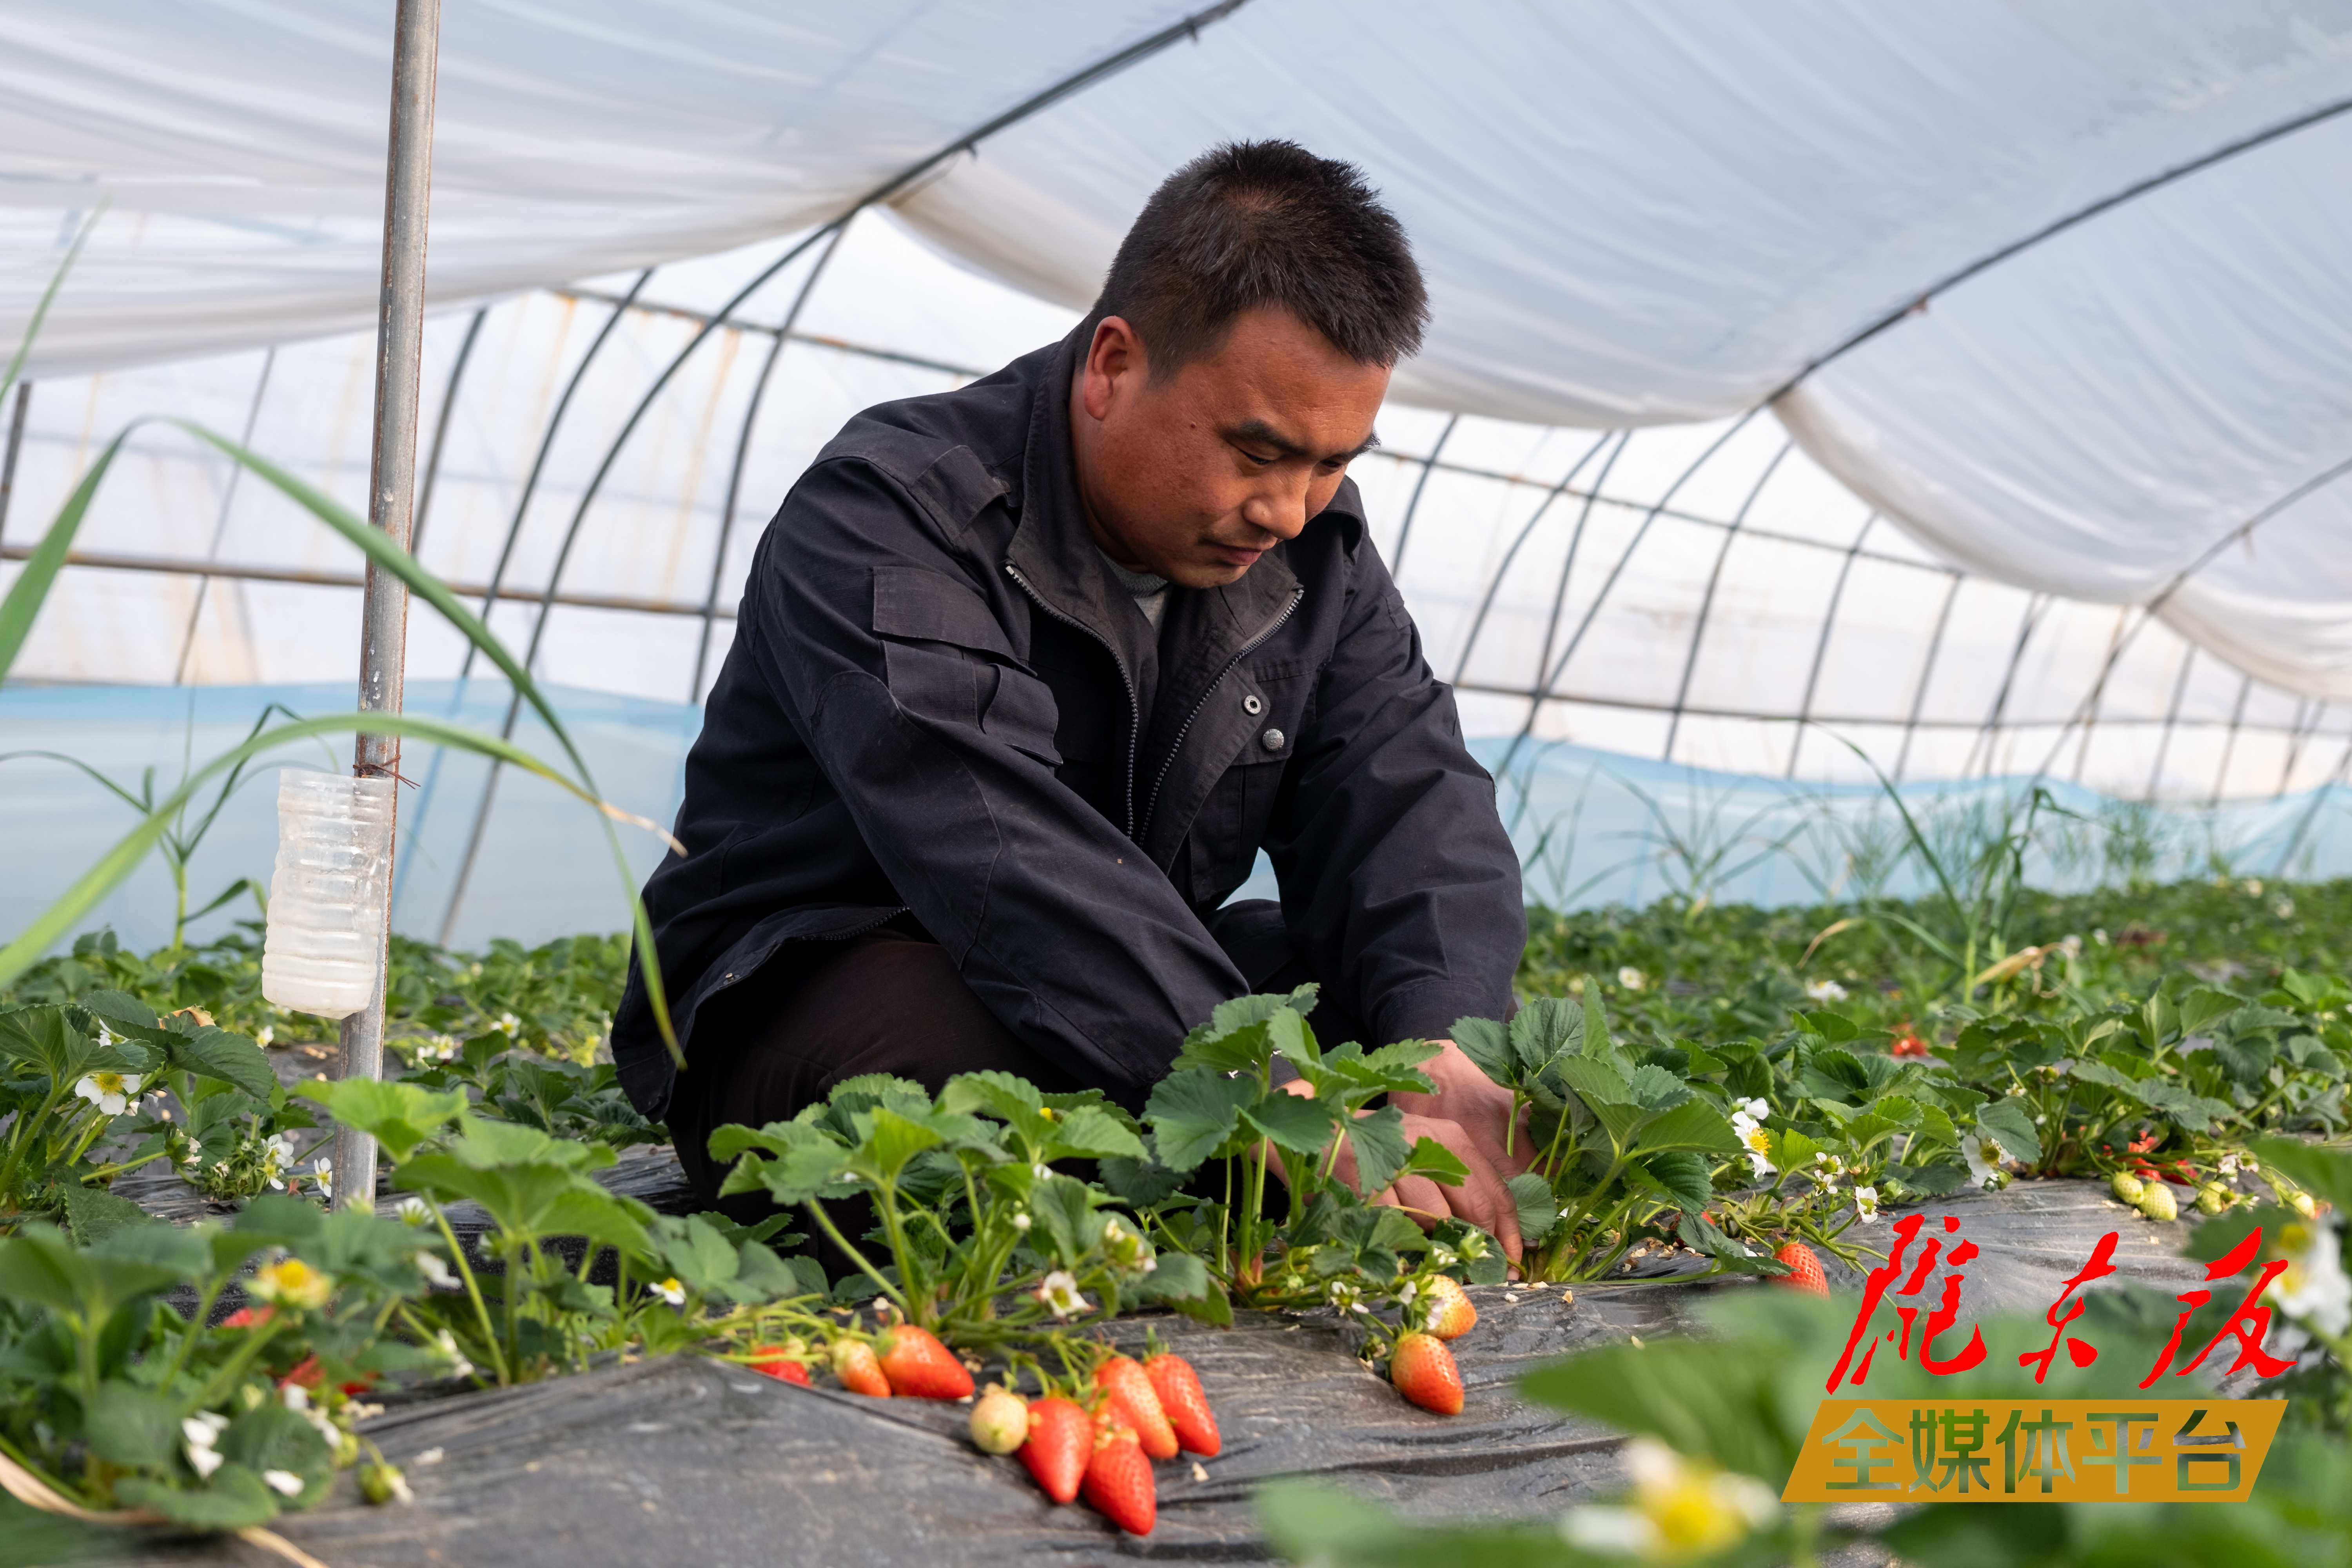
(1632, 213)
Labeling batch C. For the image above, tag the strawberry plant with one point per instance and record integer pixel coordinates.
(1621, 1144)
(114, 1403)
(1220, 1102)
(79, 1076)
(981, 1240)
(534, 1313)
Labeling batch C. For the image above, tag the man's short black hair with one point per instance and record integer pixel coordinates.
(1265, 223)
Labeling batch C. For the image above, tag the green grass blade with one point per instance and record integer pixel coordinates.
(381, 551)
(1918, 839)
(41, 311)
(132, 801)
(23, 604)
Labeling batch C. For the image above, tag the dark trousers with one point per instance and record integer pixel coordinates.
(891, 1002)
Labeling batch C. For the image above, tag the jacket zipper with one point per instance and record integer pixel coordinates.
(1134, 700)
(1151, 801)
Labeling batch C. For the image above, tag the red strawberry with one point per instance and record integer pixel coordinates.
(853, 1363)
(1061, 1440)
(1423, 1370)
(249, 1317)
(1135, 1405)
(1119, 1479)
(1450, 1313)
(777, 1361)
(1187, 1408)
(1804, 1270)
(919, 1367)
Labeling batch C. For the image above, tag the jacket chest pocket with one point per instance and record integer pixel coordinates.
(1223, 844)
(946, 660)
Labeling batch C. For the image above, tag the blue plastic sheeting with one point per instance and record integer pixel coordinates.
(1593, 827)
(1599, 827)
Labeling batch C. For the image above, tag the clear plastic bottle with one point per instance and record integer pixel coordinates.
(325, 937)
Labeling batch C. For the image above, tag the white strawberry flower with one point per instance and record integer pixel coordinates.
(265, 1036)
(447, 1343)
(322, 1171)
(1059, 1292)
(1679, 1509)
(1631, 979)
(1747, 1124)
(508, 1024)
(109, 1091)
(1987, 1161)
(1866, 1203)
(202, 1432)
(413, 1211)
(1021, 1222)
(437, 1272)
(1825, 991)
(2314, 1288)
(285, 1483)
(671, 1291)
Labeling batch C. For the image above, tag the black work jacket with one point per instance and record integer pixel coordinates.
(939, 701)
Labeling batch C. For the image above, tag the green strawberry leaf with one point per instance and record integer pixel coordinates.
(1377, 1140)
(1487, 1044)
(1193, 1112)
(2012, 1128)
(1292, 1122)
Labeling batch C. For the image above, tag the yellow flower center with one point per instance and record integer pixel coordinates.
(1690, 1517)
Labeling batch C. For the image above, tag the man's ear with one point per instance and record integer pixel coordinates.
(1114, 369)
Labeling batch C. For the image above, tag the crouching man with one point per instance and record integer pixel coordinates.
(1026, 674)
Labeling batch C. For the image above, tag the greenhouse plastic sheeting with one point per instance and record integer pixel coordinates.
(1630, 215)
(686, 1460)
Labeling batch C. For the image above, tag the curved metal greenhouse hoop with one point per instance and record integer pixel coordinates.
(1495, 584)
(1821, 644)
(1542, 692)
(1428, 467)
(1706, 600)
(735, 472)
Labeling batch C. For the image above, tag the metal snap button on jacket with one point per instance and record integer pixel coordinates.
(1271, 740)
(1250, 704)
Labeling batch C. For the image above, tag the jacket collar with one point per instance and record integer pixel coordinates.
(1052, 548)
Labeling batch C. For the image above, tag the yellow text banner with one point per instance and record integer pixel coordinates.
(2034, 1450)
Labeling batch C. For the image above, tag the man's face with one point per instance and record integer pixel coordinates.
(1195, 475)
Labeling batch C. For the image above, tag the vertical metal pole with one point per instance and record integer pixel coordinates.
(392, 492)
(16, 444)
